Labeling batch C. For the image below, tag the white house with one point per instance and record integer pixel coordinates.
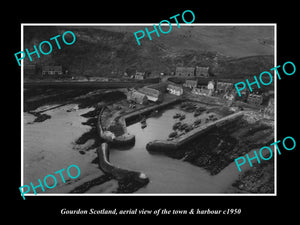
(175, 90)
(211, 85)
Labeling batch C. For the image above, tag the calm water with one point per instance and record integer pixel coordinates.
(169, 175)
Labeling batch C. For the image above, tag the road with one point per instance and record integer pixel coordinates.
(81, 84)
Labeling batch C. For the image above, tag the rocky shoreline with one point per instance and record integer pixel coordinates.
(213, 151)
(258, 179)
(218, 148)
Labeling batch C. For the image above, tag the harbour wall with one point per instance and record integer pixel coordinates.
(172, 145)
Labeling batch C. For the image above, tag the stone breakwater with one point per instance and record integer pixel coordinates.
(112, 125)
(129, 181)
(172, 145)
(112, 128)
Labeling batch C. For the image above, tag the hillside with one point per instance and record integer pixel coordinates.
(242, 67)
(99, 51)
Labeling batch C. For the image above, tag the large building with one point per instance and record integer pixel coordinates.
(185, 71)
(202, 71)
(52, 70)
(152, 94)
(137, 97)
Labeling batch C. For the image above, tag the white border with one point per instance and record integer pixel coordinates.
(150, 24)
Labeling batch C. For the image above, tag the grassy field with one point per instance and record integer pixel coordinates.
(229, 51)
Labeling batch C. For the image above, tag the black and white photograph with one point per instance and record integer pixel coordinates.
(128, 111)
(163, 117)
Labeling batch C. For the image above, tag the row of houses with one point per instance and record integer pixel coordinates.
(46, 70)
(180, 71)
(155, 92)
(197, 71)
(219, 86)
(205, 90)
(226, 89)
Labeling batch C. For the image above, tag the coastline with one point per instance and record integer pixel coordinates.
(81, 143)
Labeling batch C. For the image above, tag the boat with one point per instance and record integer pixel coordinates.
(154, 113)
(188, 128)
(143, 123)
(177, 115)
(182, 127)
(190, 108)
(143, 120)
(181, 134)
(197, 113)
(176, 125)
(182, 117)
(197, 122)
(183, 105)
(173, 134)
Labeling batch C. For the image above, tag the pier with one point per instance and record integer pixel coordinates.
(165, 145)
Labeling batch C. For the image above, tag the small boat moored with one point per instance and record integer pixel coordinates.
(177, 115)
(173, 134)
(182, 117)
(176, 125)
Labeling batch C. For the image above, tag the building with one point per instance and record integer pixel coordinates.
(202, 71)
(255, 99)
(224, 86)
(52, 70)
(185, 71)
(152, 94)
(211, 85)
(137, 97)
(229, 96)
(202, 91)
(191, 83)
(174, 89)
(140, 75)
